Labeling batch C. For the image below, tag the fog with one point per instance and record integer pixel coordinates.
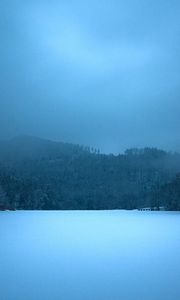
(99, 73)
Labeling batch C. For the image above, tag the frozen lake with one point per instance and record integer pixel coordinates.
(86, 255)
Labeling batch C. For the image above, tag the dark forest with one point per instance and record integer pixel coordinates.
(41, 174)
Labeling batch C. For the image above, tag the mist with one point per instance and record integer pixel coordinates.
(103, 74)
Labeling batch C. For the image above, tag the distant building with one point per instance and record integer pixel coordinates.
(162, 208)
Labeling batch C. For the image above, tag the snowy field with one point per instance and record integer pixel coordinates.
(100, 255)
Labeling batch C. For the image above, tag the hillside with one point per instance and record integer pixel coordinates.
(41, 174)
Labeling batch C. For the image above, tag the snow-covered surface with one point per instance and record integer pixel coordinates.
(89, 255)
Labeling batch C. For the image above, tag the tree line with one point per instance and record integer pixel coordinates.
(40, 174)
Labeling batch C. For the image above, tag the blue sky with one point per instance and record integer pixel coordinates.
(101, 73)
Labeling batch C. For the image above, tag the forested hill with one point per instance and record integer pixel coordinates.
(41, 174)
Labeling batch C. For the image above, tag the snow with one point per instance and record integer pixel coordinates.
(89, 255)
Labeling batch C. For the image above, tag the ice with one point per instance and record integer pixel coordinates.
(89, 255)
